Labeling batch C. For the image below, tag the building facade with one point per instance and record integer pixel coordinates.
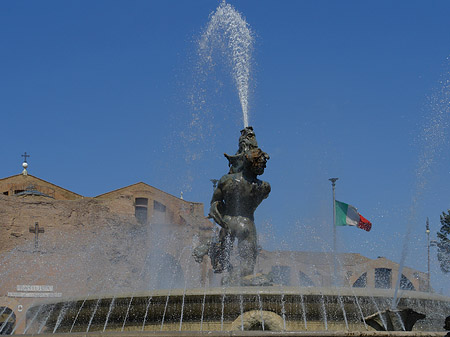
(56, 243)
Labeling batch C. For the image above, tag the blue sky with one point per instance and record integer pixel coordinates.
(98, 93)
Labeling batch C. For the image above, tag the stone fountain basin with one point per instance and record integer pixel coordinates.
(310, 309)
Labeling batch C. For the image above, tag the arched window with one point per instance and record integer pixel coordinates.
(406, 284)
(361, 282)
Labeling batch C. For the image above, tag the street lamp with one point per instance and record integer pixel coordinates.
(214, 182)
(428, 249)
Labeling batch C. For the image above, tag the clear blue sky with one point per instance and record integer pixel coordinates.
(97, 92)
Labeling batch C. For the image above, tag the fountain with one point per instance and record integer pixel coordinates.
(229, 32)
(244, 299)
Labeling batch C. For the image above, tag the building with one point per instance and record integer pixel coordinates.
(57, 243)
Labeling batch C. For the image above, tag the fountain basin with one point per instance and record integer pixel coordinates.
(215, 309)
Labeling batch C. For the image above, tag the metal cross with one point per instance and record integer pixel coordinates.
(36, 230)
(25, 155)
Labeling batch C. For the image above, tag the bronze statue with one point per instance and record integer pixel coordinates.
(233, 204)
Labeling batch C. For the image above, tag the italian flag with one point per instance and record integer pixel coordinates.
(347, 215)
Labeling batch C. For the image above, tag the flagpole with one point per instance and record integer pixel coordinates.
(333, 186)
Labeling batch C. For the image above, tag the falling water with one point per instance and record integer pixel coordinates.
(379, 313)
(128, 312)
(170, 291)
(78, 313)
(360, 311)
(131, 299)
(32, 320)
(203, 310)
(156, 245)
(261, 311)
(44, 321)
(186, 277)
(61, 315)
(146, 312)
(21, 321)
(304, 311)
(241, 307)
(326, 247)
(93, 314)
(358, 304)
(6, 321)
(165, 310)
(432, 137)
(223, 309)
(182, 306)
(278, 263)
(203, 307)
(228, 30)
(111, 306)
(341, 303)
(324, 311)
(400, 320)
(283, 310)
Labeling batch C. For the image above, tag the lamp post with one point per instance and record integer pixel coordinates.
(428, 253)
(214, 182)
(333, 186)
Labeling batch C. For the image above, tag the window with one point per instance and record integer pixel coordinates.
(157, 206)
(5, 193)
(406, 284)
(141, 202)
(140, 209)
(383, 278)
(361, 282)
(18, 191)
(159, 213)
(281, 274)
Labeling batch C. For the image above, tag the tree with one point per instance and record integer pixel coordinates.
(443, 243)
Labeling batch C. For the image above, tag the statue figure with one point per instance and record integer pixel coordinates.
(247, 142)
(233, 204)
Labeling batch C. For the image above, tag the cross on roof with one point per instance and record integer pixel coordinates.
(25, 155)
(36, 230)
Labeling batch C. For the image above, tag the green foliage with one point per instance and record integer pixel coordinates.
(443, 243)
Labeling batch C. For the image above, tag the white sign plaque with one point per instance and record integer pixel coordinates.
(27, 287)
(36, 291)
(30, 294)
